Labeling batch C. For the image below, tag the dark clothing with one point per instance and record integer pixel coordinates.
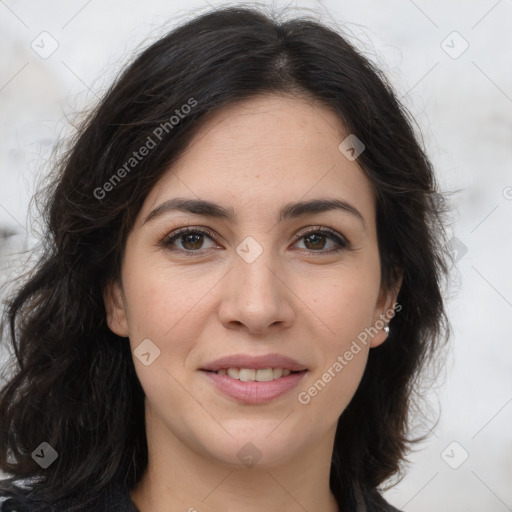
(116, 498)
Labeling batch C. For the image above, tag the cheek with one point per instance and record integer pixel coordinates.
(342, 362)
(168, 307)
(345, 306)
(165, 302)
(344, 303)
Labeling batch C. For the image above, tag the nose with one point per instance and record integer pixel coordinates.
(257, 297)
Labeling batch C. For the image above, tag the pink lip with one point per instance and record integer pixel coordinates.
(255, 392)
(255, 362)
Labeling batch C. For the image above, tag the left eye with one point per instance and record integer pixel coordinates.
(192, 239)
(317, 240)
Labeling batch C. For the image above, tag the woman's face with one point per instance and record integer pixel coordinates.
(266, 280)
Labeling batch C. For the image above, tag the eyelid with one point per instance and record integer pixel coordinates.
(323, 229)
(167, 239)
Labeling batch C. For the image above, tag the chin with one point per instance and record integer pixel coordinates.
(248, 450)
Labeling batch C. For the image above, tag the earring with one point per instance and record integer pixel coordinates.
(386, 329)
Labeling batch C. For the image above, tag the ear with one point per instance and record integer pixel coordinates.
(385, 310)
(115, 308)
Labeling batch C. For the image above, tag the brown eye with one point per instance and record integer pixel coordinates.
(316, 240)
(191, 239)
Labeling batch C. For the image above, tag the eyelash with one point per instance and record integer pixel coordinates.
(342, 242)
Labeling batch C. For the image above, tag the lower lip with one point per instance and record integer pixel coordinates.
(255, 392)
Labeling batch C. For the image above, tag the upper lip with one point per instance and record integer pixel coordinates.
(255, 362)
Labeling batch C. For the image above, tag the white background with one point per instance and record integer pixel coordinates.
(464, 108)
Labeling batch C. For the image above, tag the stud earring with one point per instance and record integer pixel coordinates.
(386, 329)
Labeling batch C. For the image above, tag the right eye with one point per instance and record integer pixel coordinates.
(190, 238)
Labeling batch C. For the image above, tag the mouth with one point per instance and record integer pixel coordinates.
(251, 379)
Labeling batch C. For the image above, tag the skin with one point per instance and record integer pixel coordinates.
(297, 298)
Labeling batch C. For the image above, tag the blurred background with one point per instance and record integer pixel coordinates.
(450, 63)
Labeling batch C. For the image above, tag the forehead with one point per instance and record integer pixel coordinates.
(260, 153)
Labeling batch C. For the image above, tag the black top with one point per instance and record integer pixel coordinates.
(116, 498)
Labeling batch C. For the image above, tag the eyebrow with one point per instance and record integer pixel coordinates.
(216, 211)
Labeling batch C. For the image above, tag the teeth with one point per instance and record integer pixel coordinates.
(247, 375)
(264, 375)
(250, 375)
(234, 373)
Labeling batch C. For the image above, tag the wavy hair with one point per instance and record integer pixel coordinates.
(73, 382)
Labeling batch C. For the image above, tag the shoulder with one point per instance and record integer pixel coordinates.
(114, 497)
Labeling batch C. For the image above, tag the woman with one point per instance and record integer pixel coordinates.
(240, 286)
